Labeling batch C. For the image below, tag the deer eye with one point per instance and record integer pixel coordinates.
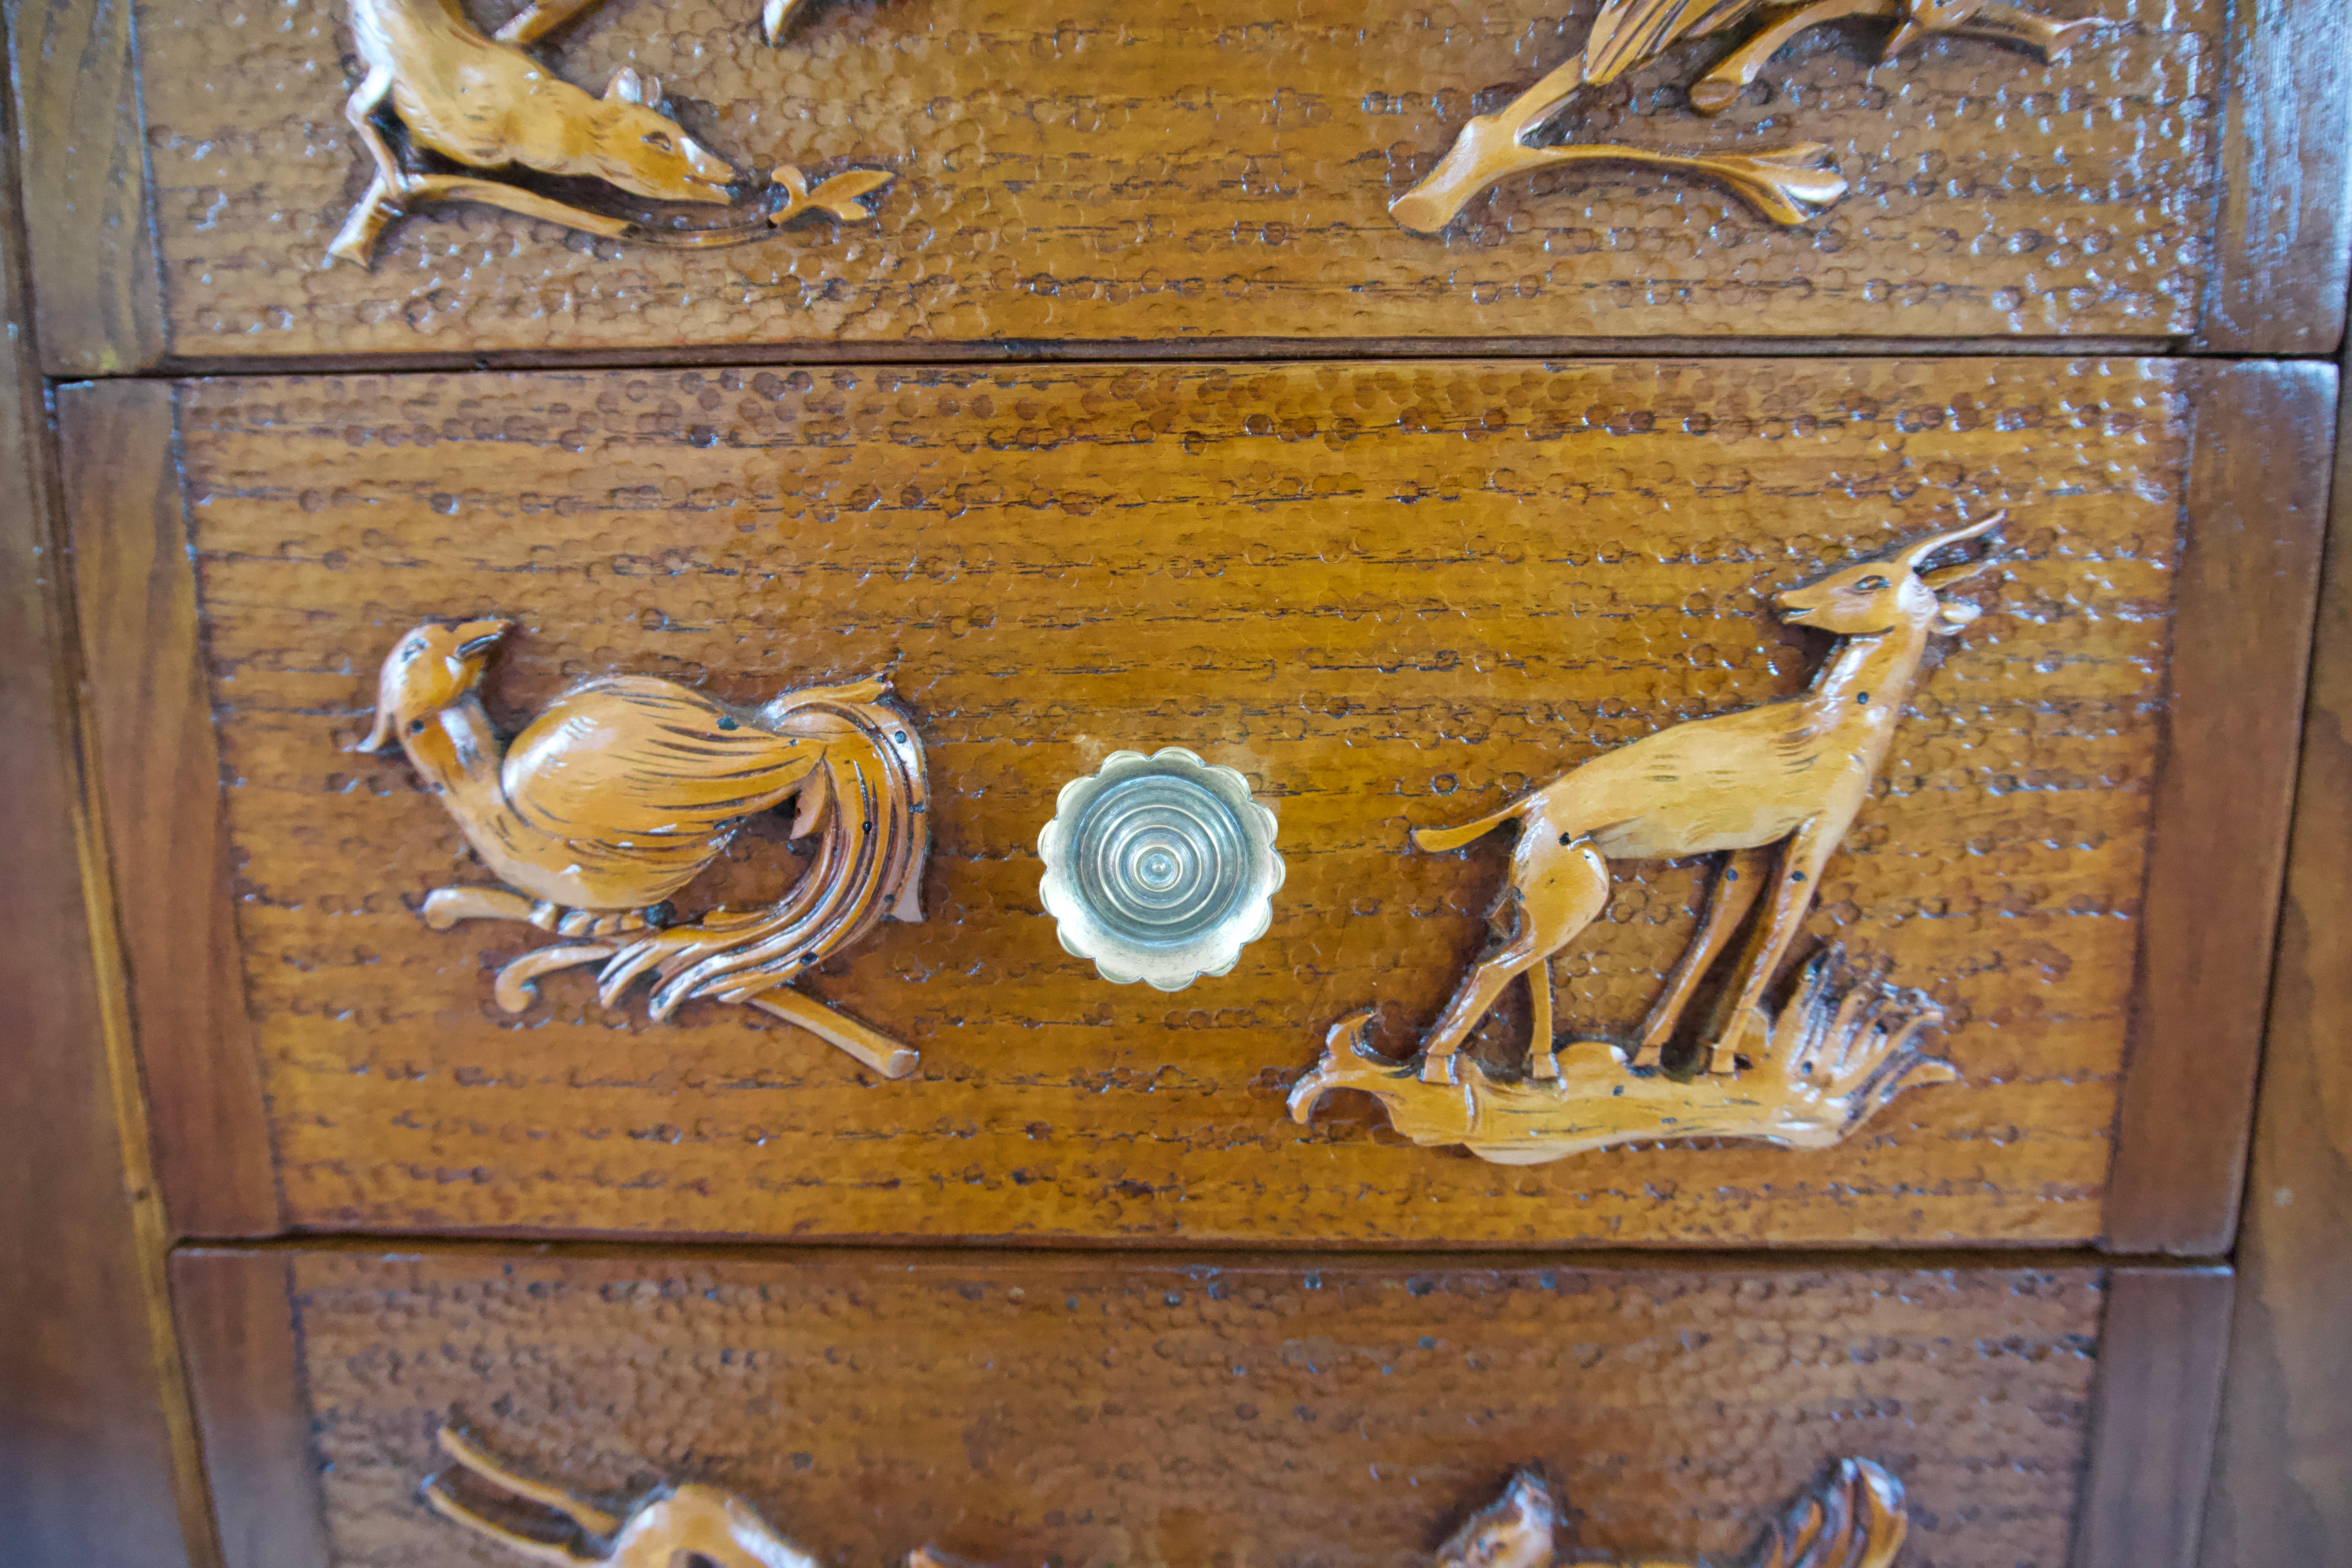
(658, 139)
(1872, 583)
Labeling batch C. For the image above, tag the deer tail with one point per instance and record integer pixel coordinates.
(1437, 840)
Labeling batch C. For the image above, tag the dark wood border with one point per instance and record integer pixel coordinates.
(2256, 504)
(100, 289)
(2281, 229)
(159, 791)
(2282, 1494)
(238, 1312)
(99, 1461)
(2160, 1352)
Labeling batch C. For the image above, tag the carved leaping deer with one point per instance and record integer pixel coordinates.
(1789, 775)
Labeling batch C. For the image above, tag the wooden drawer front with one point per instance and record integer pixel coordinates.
(1165, 172)
(1100, 1411)
(1390, 595)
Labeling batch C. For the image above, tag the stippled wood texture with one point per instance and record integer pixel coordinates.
(1142, 1412)
(1170, 170)
(1390, 594)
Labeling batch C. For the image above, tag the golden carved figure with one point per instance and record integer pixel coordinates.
(458, 99)
(1853, 1516)
(1785, 183)
(624, 788)
(1773, 789)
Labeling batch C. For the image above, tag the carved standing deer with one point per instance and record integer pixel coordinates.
(1787, 776)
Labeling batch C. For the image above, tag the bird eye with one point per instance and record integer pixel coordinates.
(1872, 583)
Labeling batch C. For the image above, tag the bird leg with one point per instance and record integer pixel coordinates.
(877, 1051)
(1714, 91)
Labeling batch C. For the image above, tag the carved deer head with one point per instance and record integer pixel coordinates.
(1875, 596)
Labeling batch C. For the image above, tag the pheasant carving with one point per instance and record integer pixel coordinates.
(623, 789)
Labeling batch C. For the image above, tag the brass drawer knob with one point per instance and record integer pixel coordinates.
(1161, 868)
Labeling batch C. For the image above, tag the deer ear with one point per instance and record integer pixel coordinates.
(1944, 577)
(1950, 618)
(627, 87)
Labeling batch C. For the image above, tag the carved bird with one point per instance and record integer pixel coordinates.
(623, 789)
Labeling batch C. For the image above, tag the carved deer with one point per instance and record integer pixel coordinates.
(675, 1525)
(481, 103)
(1786, 777)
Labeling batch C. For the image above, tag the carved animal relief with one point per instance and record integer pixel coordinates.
(1772, 790)
(442, 98)
(1786, 184)
(625, 788)
(1853, 1516)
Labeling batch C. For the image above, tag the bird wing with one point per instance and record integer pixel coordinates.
(635, 769)
(1628, 32)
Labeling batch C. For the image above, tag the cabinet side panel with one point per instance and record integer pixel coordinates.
(86, 1437)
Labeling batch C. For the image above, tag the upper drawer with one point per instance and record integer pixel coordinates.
(1160, 172)
(1391, 597)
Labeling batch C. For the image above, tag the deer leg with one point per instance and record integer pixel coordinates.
(1559, 890)
(535, 21)
(380, 204)
(1769, 942)
(456, 1512)
(1543, 1048)
(1727, 902)
(594, 1521)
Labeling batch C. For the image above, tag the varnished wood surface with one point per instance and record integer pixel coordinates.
(150, 708)
(1148, 1410)
(1390, 595)
(2239, 655)
(98, 297)
(2162, 1344)
(2281, 1491)
(87, 1401)
(1171, 173)
(2285, 227)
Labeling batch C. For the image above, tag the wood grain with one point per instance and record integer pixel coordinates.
(2257, 505)
(94, 1475)
(2161, 1348)
(2283, 242)
(99, 300)
(160, 790)
(1145, 1411)
(1389, 594)
(1164, 171)
(236, 1313)
(2282, 1492)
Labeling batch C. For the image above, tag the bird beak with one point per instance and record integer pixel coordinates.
(478, 638)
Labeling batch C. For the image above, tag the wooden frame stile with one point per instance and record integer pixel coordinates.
(157, 787)
(2282, 1485)
(2256, 507)
(97, 1440)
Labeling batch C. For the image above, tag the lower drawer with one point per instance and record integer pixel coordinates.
(1131, 1410)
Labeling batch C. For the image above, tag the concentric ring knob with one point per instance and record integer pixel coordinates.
(1160, 868)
